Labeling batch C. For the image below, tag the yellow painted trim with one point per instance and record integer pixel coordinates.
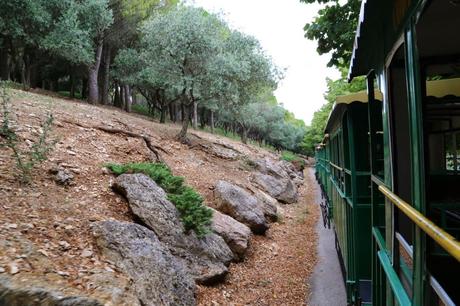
(442, 88)
(444, 239)
(360, 96)
(335, 166)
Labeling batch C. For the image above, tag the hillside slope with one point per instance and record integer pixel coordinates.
(45, 236)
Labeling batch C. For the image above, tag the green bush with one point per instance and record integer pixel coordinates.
(294, 159)
(26, 157)
(194, 215)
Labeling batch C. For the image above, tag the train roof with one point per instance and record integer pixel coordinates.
(380, 25)
(435, 88)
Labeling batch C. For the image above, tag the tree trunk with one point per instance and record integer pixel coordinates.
(116, 98)
(172, 112)
(4, 62)
(72, 86)
(182, 113)
(182, 136)
(128, 101)
(203, 118)
(244, 135)
(195, 115)
(212, 122)
(163, 114)
(93, 70)
(106, 75)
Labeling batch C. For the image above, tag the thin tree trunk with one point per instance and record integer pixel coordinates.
(4, 62)
(195, 115)
(244, 135)
(172, 112)
(212, 122)
(163, 114)
(182, 113)
(93, 70)
(84, 88)
(106, 75)
(72, 86)
(116, 98)
(128, 101)
(182, 136)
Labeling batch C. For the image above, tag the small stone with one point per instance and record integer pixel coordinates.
(2, 270)
(62, 273)
(86, 253)
(108, 269)
(13, 268)
(12, 226)
(43, 252)
(64, 245)
(71, 152)
(105, 170)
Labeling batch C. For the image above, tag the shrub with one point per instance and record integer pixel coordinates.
(26, 157)
(291, 157)
(194, 215)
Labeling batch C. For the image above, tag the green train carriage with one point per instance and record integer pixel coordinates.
(411, 51)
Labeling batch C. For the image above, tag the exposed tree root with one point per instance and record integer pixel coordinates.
(153, 148)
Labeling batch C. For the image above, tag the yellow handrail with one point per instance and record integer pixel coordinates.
(444, 239)
(335, 166)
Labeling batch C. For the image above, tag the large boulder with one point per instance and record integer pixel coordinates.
(235, 233)
(269, 204)
(241, 205)
(281, 188)
(270, 167)
(159, 277)
(12, 294)
(207, 257)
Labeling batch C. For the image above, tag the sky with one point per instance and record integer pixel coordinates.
(278, 25)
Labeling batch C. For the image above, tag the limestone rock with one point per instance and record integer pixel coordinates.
(207, 257)
(281, 188)
(269, 204)
(241, 205)
(20, 295)
(159, 277)
(235, 233)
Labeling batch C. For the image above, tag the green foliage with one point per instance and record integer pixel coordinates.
(315, 132)
(26, 158)
(194, 215)
(334, 29)
(78, 30)
(293, 158)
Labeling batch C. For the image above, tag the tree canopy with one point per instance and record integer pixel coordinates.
(334, 29)
(178, 61)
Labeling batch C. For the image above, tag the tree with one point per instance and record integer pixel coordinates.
(78, 37)
(315, 132)
(334, 29)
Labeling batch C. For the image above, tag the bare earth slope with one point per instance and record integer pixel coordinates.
(45, 228)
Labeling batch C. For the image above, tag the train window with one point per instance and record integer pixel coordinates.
(439, 52)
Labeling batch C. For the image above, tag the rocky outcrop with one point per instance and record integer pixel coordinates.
(281, 188)
(20, 295)
(207, 258)
(159, 277)
(241, 205)
(235, 233)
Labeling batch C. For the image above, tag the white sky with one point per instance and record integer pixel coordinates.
(278, 25)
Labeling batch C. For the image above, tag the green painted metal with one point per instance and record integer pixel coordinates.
(397, 288)
(417, 159)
